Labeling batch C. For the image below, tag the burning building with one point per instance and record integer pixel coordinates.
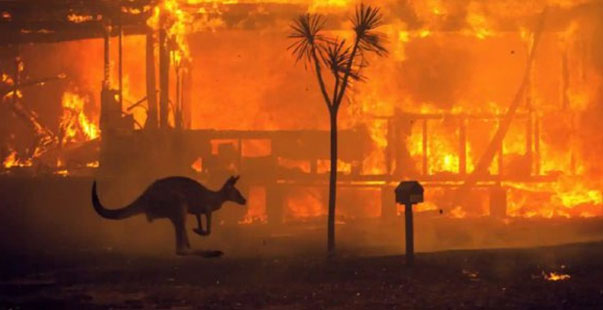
(494, 106)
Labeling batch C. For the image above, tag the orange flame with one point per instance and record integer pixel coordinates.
(76, 126)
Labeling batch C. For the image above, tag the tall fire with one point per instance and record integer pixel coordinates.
(493, 105)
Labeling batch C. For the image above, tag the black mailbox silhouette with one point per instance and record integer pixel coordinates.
(409, 192)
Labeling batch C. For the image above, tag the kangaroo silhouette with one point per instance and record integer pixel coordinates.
(173, 198)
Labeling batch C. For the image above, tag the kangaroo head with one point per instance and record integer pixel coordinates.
(231, 193)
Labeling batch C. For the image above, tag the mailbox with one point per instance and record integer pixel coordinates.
(409, 192)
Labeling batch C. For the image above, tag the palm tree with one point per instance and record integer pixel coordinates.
(344, 62)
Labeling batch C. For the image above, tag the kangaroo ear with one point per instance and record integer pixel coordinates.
(235, 179)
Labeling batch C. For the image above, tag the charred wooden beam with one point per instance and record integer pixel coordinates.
(425, 161)
(91, 31)
(45, 21)
(164, 79)
(469, 116)
(37, 21)
(462, 146)
(150, 79)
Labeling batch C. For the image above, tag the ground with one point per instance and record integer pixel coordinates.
(469, 279)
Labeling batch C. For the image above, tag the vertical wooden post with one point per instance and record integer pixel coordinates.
(107, 59)
(501, 144)
(151, 89)
(529, 142)
(537, 145)
(390, 138)
(462, 146)
(164, 73)
(120, 59)
(105, 102)
(410, 251)
(425, 170)
(178, 104)
(186, 97)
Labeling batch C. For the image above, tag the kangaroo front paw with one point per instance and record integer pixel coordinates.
(200, 232)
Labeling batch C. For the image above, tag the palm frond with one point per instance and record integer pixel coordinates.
(306, 31)
(337, 56)
(366, 19)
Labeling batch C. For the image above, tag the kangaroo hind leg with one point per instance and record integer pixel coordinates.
(182, 243)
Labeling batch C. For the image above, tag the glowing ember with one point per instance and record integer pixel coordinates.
(62, 172)
(555, 276)
(76, 18)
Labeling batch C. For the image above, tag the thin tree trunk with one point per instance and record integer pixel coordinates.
(332, 185)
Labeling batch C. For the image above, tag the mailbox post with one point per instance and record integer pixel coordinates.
(409, 193)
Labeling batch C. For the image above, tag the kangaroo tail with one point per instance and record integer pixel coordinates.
(113, 214)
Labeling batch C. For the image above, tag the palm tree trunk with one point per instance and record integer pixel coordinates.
(332, 185)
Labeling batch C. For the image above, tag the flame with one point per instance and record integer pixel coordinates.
(571, 193)
(243, 85)
(76, 126)
(178, 23)
(478, 24)
(458, 212)
(12, 160)
(567, 197)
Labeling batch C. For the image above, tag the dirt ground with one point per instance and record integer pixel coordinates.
(472, 279)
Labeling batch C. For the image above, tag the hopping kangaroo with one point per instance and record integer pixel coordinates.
(173, 198)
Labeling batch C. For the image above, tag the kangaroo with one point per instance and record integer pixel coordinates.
(173, 198)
